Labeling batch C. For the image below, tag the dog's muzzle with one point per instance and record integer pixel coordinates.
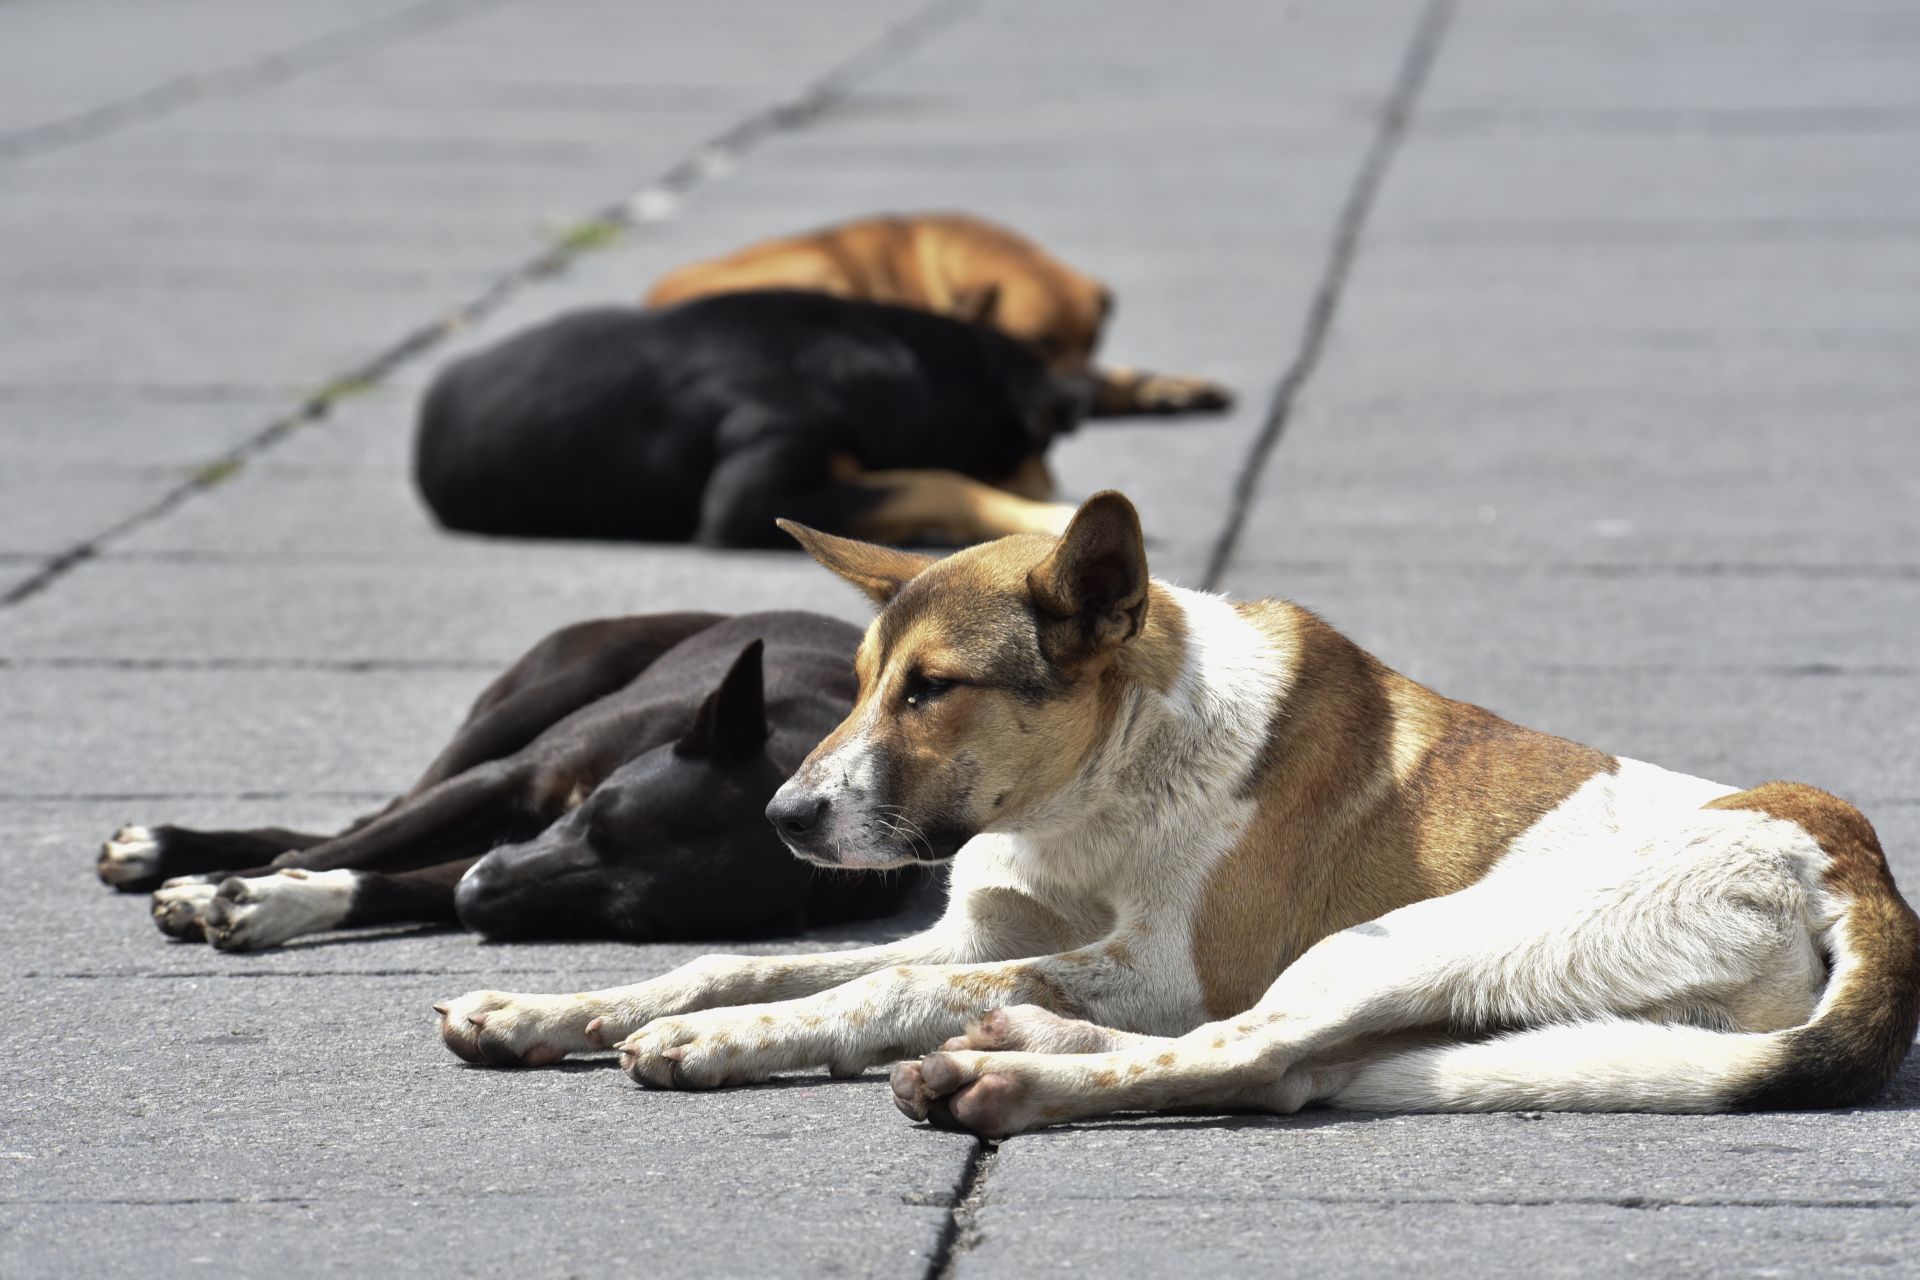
(799, 818)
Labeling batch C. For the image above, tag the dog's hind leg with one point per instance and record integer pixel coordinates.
(253, 913)
(458, 819)
(1700, 941)
(565, 671)
(907, 505)
(1122, 392)
(462, 817)
(138, 859)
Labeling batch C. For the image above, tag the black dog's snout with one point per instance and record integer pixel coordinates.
(796, 816)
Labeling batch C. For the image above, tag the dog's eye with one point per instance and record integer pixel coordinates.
(924, 689)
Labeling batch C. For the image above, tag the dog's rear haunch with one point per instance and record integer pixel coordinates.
(609, 784)
(1208, 853)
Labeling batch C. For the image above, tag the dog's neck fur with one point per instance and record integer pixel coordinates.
(1195, 692)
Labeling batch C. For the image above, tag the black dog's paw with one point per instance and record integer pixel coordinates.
(131, 858)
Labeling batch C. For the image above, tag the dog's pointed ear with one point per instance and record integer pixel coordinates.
(732, 722)
(975, 304)
(1091, 593)
(878, 571)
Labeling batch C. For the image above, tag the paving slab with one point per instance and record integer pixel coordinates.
(492, 603)
(61, 60)
(1201, 1236)
(230, 1092)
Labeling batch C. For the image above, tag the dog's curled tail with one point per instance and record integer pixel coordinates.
(1853, 1045)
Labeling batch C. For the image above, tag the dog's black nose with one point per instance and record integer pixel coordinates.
(795, 816)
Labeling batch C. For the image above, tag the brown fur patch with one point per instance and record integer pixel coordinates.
(1857, 1044)
(1372, 793)
(947, 263)
(1037, 988)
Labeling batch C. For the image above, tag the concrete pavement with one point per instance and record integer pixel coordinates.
(1577, 350)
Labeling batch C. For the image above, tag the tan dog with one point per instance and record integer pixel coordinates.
(1216, 855)
(957, 266)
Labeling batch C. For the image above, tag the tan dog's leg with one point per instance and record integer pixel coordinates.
(514, 1029)
(946, 505)
(1121, 392)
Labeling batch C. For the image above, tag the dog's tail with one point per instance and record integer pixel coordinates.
(1853, 1045)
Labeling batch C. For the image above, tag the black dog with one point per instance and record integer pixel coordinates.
(612, 783)
(706, 421)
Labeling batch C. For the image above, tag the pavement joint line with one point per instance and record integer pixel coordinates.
(318, 53)
(139, 393)
(387, 666)
(1595, 568)
(1342, 568)
(1628, 1202)
(1476, 123)
(1652, 1203)
(961, 1230)
(349, 666)
(206, 974)
(1423, 49)
(1654, 230)
(651, 202)
(144, 797)
(167, 1202)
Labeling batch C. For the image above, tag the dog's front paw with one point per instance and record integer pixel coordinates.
(252, 913)
(179, 907)
(962, 1091)
(701, 1050)
(130, 860)
(500, 1029)
(1028, 1028)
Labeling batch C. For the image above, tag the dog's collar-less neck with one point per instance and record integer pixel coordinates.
(1172, 759)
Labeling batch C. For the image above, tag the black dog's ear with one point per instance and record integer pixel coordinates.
(1091, 593)
(975, 304)
(732, 723)
(878, 571)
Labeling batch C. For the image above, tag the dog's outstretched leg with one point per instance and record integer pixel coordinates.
(138, 859)
(1123, 392)
(917, 504)
(253, 913)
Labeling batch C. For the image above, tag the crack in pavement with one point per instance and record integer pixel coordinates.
(1395, 120)
(961, 1230)
(645, 204)
(278, 67)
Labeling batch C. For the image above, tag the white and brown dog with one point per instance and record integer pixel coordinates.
(1286, 873)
